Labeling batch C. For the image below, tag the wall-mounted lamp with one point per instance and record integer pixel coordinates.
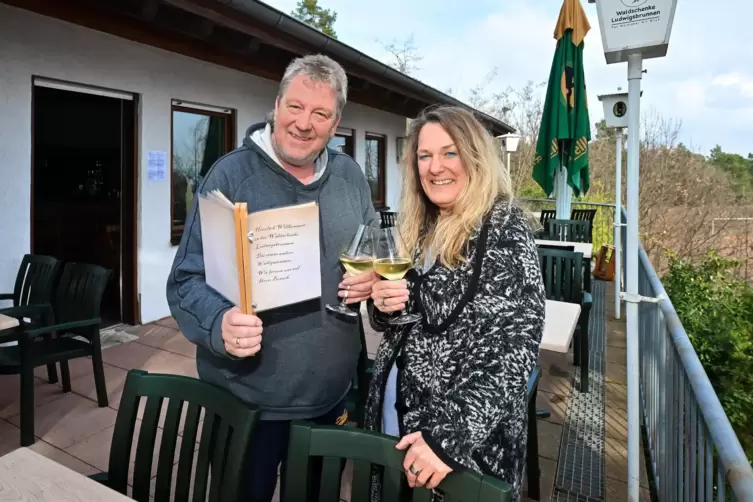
(399, 143)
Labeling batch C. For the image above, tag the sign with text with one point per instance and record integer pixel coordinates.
(635, 26)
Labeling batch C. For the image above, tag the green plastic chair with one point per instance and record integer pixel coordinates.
(370, 449)
(74, 312)
(569, 230)
(562, 272)
(585, 215)
(225, 439)
(35, 285)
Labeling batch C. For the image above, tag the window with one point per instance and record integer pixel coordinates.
(343, 141)
(200, 136)
(375, 165)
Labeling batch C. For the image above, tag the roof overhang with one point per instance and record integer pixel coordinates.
(253, 37)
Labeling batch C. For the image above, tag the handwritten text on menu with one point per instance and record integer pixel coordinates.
(277, 248)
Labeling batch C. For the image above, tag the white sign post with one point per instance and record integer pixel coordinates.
(634, 30)
(616, 117)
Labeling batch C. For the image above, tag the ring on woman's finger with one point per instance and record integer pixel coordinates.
(382, 303)
(237, 342)
(414, 471)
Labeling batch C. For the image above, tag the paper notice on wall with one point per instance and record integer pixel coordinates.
(155, 167)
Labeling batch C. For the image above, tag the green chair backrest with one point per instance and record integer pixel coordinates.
(226, 435)
(586, 215)
(569, 230)
(369, 450)
(546, 215)
(80, 291)
(36, 280)
(562, 272)
(388, 219)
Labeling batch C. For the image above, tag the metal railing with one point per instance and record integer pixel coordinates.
(693, 450)
(603, 225)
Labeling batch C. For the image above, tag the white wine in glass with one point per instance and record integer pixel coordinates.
(357, 258)
(392, 269)
(358, 264)
(392, 262)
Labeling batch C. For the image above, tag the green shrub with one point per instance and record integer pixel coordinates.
(716, 309)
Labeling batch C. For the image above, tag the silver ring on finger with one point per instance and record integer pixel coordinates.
(382, 303)
(414, 471)
(237, 342)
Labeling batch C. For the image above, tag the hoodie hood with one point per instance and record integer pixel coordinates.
(261, 136)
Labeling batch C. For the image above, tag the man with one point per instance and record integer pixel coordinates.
(295, 362)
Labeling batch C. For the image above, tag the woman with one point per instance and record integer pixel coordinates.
(453, 386)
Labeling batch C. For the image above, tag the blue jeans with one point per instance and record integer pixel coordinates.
(269, 448)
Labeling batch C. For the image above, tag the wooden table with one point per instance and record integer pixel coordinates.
(560, 320)
(586, 248)
(7, 322)
(27, 476)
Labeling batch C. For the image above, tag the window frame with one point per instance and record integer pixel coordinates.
(176, 230)
(347, 132)
(381, 167)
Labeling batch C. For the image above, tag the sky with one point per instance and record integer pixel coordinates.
(705, 81)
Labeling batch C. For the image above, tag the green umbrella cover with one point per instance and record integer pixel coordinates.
(565, 127)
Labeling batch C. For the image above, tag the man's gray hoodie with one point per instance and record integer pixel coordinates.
(308, 355)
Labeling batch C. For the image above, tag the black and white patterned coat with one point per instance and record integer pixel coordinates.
(462, 376)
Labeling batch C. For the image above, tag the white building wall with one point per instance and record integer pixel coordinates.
(33, 45)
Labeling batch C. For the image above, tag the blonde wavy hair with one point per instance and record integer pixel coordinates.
(419, 221)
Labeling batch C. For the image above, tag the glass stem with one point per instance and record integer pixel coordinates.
(345, 298)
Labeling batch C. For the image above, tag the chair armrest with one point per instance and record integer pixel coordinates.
(585, 313)
(36, 310)
(63, 326)
(587, 299)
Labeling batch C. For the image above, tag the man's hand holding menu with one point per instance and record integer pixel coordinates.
(241, 333)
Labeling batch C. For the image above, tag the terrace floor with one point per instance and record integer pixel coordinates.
(582, 445)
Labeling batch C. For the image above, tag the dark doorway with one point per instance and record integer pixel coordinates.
(84, 188)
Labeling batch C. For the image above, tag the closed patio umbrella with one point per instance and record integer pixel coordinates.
(561, 158)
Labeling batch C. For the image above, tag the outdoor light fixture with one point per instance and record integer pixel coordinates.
(633, 30)
(509, 143)
(399, 142)
(615, 109)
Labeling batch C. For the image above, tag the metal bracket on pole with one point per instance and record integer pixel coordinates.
(635, 298)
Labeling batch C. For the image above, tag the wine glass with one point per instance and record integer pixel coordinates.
(357, 258)
(392, 263)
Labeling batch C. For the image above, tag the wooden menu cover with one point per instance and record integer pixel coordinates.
(262, 260)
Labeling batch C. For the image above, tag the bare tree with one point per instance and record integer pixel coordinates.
(685, 202)
(404, 55)
(187, 159)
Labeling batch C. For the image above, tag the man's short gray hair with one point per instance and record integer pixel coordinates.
(319, 68)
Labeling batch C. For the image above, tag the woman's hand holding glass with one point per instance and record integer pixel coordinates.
(390, 296)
